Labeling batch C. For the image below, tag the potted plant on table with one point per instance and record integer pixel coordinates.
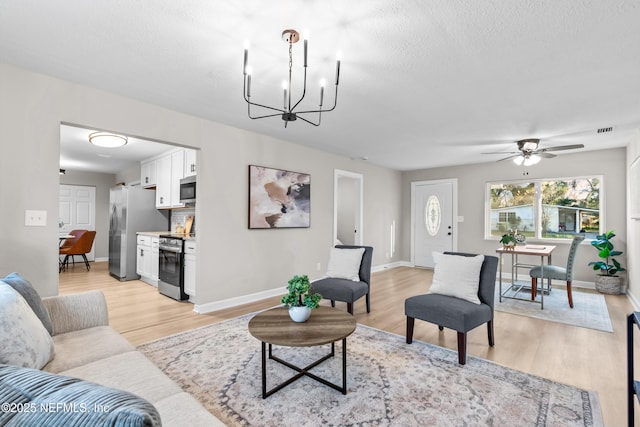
(508, 241)
(299, 300)
(607, 281)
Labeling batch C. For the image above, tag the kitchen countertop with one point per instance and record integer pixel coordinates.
(152, 233)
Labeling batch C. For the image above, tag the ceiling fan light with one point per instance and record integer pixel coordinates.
(107, 139)
(518, 160)
(531, 160)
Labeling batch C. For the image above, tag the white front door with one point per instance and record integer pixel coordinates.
(432, 219)
(78, 210)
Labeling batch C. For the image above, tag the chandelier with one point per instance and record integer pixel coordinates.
(288, 111)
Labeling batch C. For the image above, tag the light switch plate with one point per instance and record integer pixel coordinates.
(35, 218)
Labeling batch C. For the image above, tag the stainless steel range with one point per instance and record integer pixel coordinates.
(171, 267)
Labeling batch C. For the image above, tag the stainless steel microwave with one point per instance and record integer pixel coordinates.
(188, 190)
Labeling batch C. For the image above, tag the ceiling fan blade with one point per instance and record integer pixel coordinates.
(503, 152)
(546, 155)
(510, 157)
(561, 148)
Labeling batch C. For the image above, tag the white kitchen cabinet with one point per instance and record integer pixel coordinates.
(169, 172)
(177, 173)
(147, 258)
(189, 162)
(190, 267)
(148, 173)
(155, 258)
(163, 182)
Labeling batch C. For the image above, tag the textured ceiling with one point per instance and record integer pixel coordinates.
(422, 83)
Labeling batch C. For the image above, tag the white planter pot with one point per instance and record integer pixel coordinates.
(299, 314)
(610, 284)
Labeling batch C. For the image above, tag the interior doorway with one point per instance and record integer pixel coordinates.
(77, 210)
(347, 207)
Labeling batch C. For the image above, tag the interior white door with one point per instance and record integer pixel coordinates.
(347, 208)
(78, 210)
(433, 225)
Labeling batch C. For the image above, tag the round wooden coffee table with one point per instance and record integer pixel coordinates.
(325, 326)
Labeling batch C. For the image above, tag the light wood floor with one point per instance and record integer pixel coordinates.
(581, 357)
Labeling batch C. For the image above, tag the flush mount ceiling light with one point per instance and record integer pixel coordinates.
(288, 111)
(107, 139)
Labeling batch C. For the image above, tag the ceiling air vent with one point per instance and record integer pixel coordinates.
(603, 130)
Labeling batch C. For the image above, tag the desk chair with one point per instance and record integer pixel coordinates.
(555, 272)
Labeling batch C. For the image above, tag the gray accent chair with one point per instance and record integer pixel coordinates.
(555, 272)
(455, 313)
(347, 290)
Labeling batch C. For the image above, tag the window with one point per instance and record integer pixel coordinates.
(545, 208)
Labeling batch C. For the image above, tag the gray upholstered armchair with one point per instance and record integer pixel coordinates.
(345, 290)
(456, 313)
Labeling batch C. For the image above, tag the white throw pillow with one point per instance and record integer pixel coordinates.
(457, 276)
(345, 263)
(24, 341)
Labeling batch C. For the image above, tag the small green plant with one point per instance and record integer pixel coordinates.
(298, 294)
(609, 266)
(508, 239)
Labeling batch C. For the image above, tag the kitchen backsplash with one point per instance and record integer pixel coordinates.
(179, 218)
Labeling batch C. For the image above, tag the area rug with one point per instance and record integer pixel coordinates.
(389, 383)
(589, 309)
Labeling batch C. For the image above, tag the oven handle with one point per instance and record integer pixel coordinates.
(170, 249)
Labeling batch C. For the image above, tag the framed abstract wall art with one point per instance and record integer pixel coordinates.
(278, 198)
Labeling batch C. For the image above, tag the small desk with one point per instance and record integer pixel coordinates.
(543, 251)
(326, 325)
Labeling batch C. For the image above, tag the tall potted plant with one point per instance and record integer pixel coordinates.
(298, 299)
(607, 281)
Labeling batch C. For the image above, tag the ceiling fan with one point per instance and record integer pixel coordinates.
(529, 154)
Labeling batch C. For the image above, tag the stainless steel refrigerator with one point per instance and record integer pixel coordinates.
(131, 209)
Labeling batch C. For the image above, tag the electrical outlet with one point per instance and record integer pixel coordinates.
(35, 218)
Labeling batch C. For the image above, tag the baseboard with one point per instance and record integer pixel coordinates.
(383, 267)
(232, 302)
(246, 299)
(634, 302)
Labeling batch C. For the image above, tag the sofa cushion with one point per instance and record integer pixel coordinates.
(129, 371)
(457, 276)
(29, 293)
(345, 264)
(24, 341)
(55, 400)
(84, 346)
(182, 409)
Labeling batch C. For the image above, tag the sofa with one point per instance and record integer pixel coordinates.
(89, 354)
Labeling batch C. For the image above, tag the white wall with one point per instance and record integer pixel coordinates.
(633, 230)
(232, 260)
(472, 180)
